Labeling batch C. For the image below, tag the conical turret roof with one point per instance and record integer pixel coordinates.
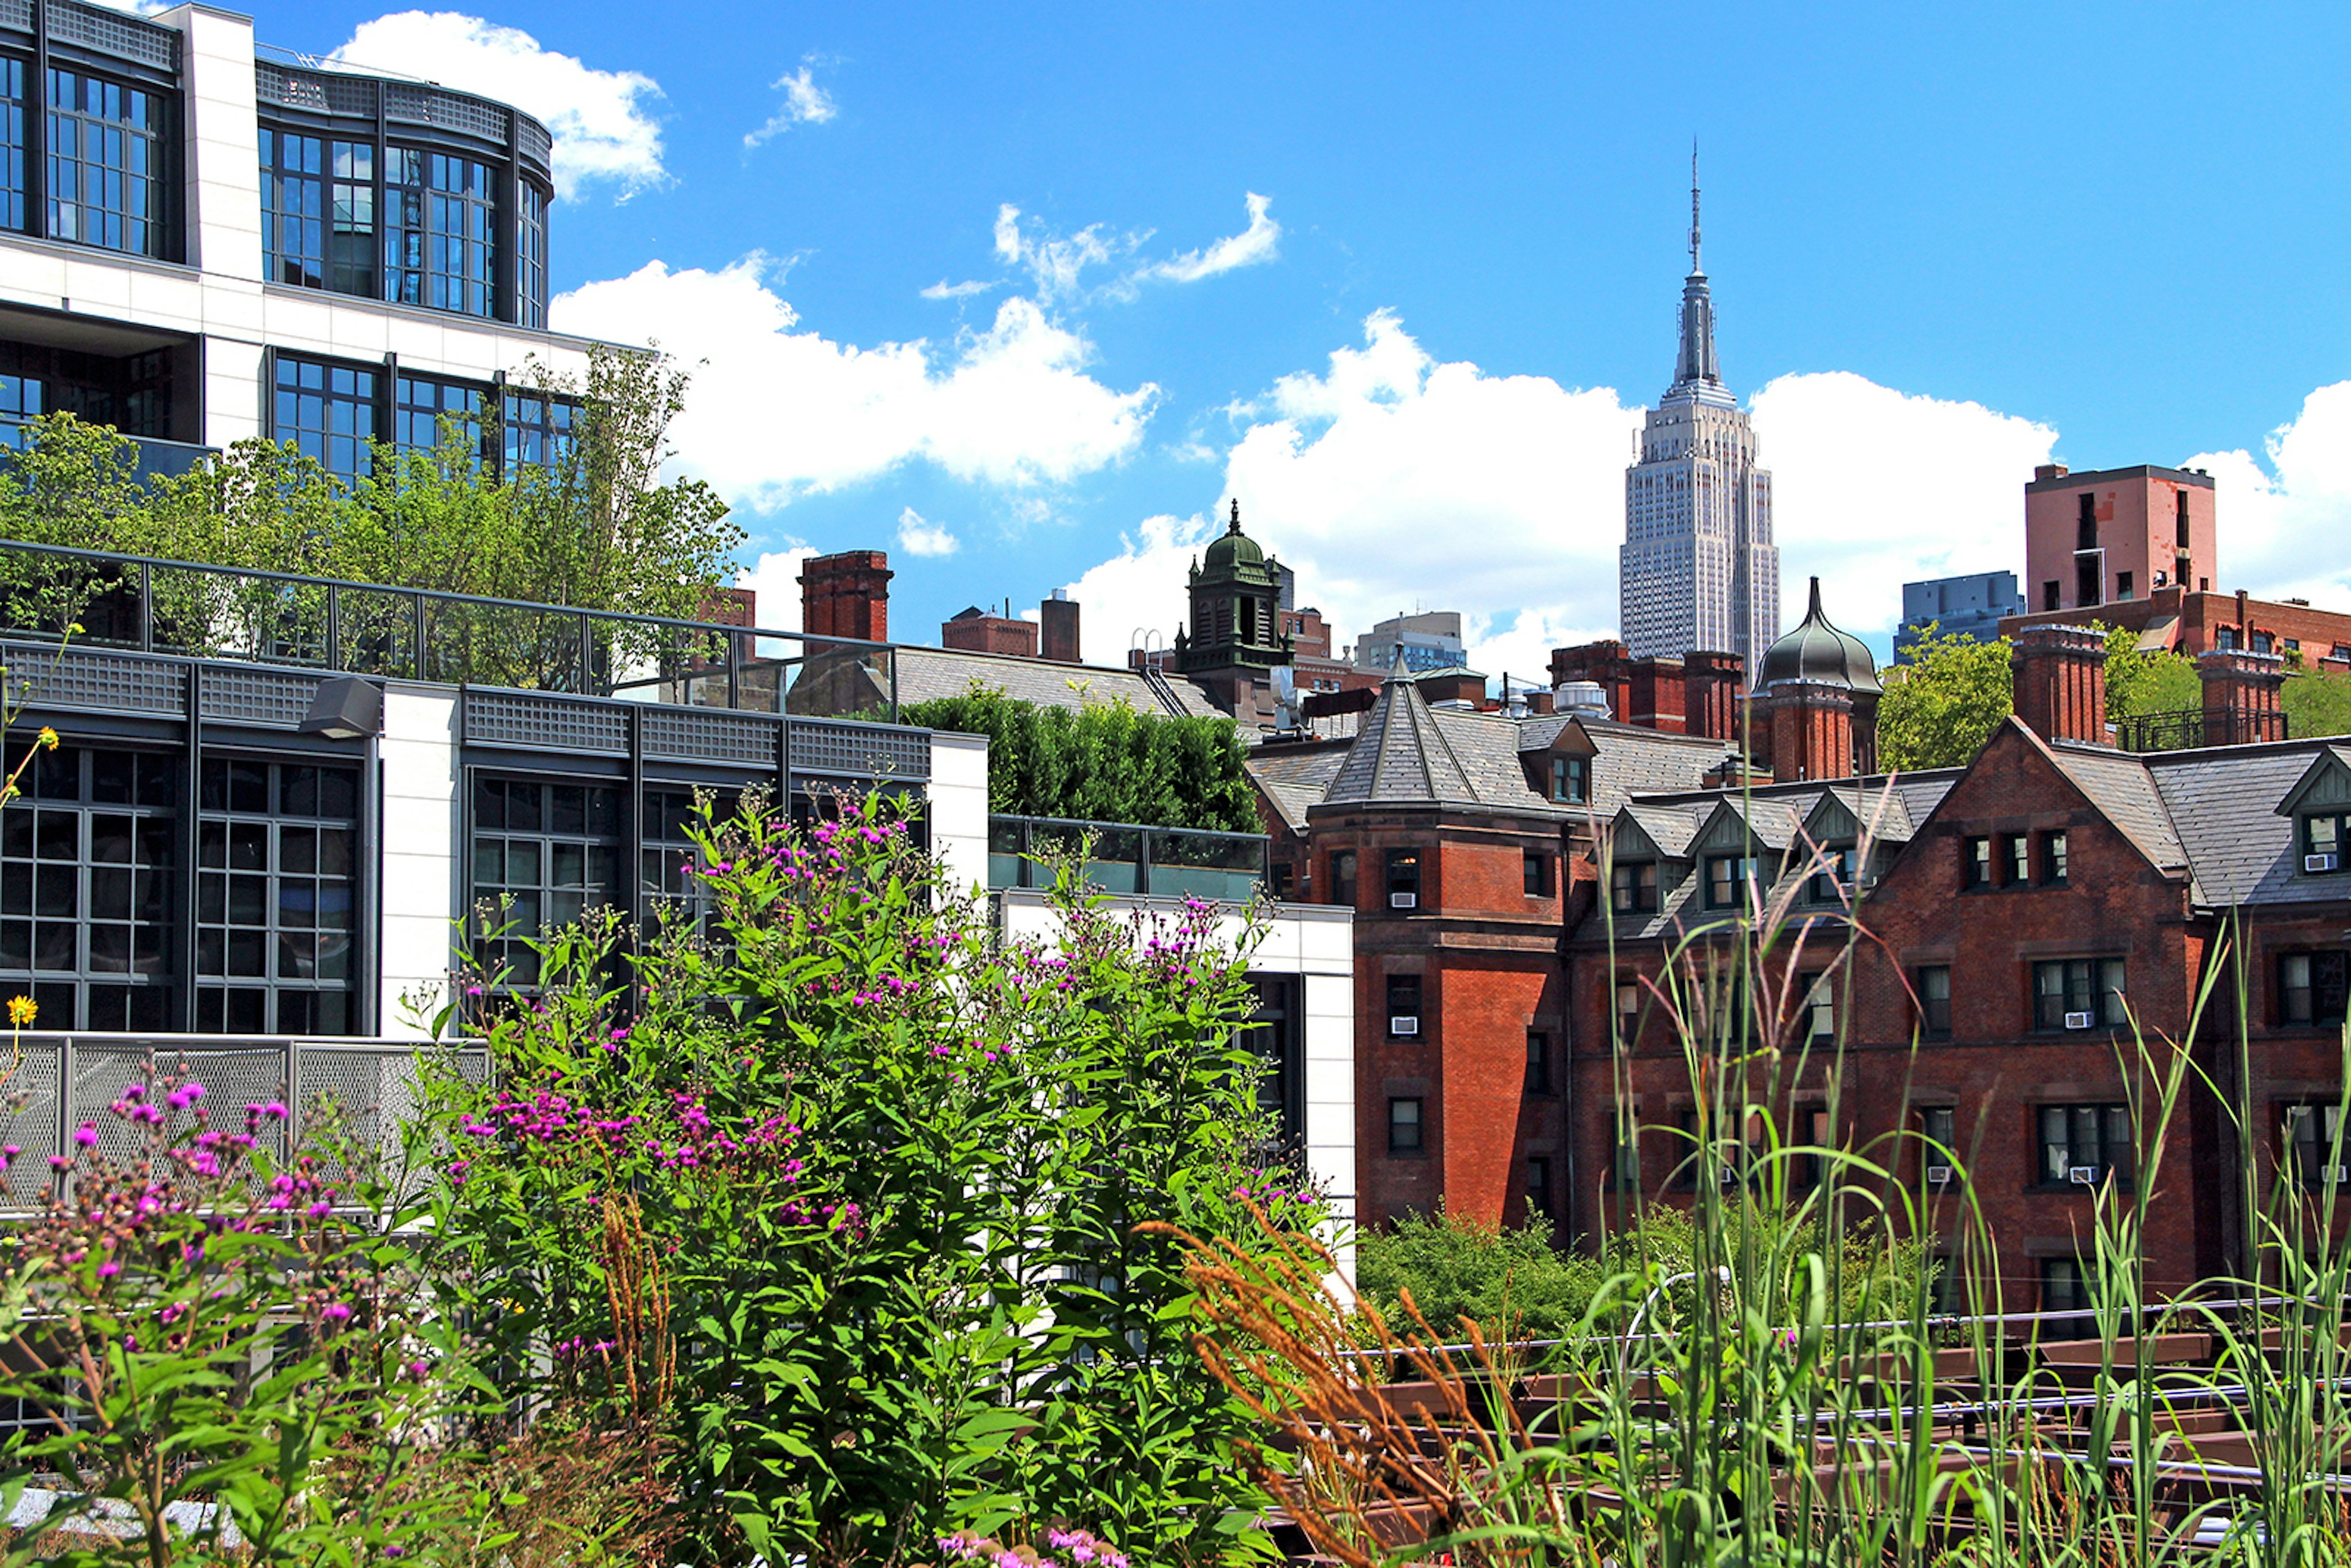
(1401, 753)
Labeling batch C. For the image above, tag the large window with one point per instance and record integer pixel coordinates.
(2081, 1145)
(1278, 1031)
(328, 411)
(317, 212)
(418, 404)
(2321, 843)
(1633, 887)
(1728, 879)
(667, 857)
(544, 853)
(440, 243)
(2313, 987)
(274, 897)
(86, 868)
(2078, 993)
(107, 181)
(530, 307)
(11, 144)
(539, 430)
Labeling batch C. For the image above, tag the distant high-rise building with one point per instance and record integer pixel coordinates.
(1970, 607)
(1430, 640)
(1697, 568)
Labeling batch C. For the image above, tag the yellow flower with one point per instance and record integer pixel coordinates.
(48, 738)
(22, 1011)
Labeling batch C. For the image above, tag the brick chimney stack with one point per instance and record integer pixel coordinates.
(2241, 695)
(1058, 616)
(2059, 675)
(847, 595)
(1711, 687)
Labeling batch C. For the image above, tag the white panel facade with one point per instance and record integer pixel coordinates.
(423, 823)
(957, 809)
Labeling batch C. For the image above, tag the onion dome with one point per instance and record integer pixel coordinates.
(1817, 652)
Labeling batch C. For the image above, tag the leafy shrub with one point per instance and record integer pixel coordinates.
(1104, 762)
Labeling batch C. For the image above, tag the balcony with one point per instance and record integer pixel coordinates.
(1130, 859)
(2189, 729)
(137, 604)
(63, 1081)
(165, 459)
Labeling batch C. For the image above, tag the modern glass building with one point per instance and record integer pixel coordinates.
(203, 240)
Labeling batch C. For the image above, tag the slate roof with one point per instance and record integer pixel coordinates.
(2119, 784)
(1632, 760)
(2223, 804)
(925, 674)
(1295, 777)
(1402, 753)
(1487, 746)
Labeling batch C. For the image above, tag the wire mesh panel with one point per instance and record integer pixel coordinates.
(234, 1077)
(374, 1092)
(29, 1119)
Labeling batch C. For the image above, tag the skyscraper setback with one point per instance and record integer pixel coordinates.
(1698, 570)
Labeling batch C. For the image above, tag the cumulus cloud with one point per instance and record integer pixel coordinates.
(1394, 482)
(2286, 515)
(1258, 242)
(805, 103)
(919, 535)
(777, 411)
(776, 580)
(1872, 487)
(602, 121)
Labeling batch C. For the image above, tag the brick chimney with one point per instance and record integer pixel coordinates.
(2059, 675)
(1605, 663)
(1059, 617)
(1711, 685)
(1655, 692)
(2241, 695)
(847, 595)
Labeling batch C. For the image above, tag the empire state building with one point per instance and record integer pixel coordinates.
(1698, 570)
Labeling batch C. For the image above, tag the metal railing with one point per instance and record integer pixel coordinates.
(124, 601)
(54, 1083)
(2189, 729)
(168, 458)
(1131, 858)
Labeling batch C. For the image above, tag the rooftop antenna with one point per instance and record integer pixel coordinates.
(1695, 268)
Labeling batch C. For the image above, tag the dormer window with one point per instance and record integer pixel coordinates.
(1633, 887)
(1832, 882)
(2322, 841)
(1728, 878)
(1570, 780)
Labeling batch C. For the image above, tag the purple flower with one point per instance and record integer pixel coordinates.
(87, 1135)
(336, 1313)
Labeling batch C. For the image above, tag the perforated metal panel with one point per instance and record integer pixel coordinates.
(531, 723)
(704, 735)
(30, 1121)
(111, 682)
(841, 749)
(17, 15)
(112, 33)
(534, 141)
(448, 110)
(295, 89)
(259, 697)
(234, 1077)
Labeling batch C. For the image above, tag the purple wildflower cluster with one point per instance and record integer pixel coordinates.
(1081, 1546)
(547, 1118)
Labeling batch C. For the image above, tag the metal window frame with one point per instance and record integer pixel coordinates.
(361, 953)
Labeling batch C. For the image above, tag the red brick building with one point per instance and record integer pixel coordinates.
(2020, 915)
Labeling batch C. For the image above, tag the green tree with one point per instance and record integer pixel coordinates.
(2316, 703)
(1944, 703)
(2146, 682)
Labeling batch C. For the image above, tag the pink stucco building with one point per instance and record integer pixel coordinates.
(2116, 534)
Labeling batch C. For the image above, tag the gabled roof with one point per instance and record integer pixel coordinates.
(2120, 787)
(925, 674)
(1852, 810)
(2226, 803)
(1671, 828)
(2326, 782)
(1295, 777)
(1401, 754)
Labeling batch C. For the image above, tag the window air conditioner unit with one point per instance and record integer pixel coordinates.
(2081, 1176)
(1938, 1176)
(2338, 1174)
(2080, 1020)
(2321, 862)
(1404, 901)
(1404, 1025)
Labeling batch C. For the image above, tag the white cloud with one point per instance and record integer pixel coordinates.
(776, 412)
(805, 103)
(1054, 262)
(601, 121)
(1871, 488)
(1259, 242)
(2285, 516)
(776, 580)
(943, 289)
(919, 535)
(1394, 482)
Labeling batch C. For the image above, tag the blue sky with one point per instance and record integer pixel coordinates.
(1945, 246)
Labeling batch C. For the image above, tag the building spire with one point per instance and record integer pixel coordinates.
(1696, 270)
(1696, 367)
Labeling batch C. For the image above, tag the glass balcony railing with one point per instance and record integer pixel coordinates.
(453, 639)
(1128, 858)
